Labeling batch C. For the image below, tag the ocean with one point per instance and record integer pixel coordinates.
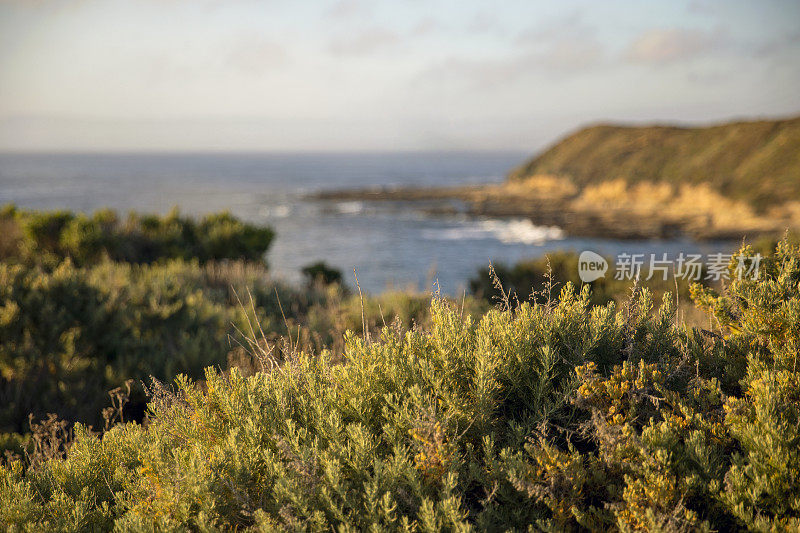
(389, 244)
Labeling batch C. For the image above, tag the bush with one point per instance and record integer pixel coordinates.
(565, 416)
(73, 333)
(49, 237)
(320, 272)
(404, 423)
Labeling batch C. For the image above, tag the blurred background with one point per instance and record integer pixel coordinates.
(256, 106)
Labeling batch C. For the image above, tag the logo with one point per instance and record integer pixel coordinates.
(591, 266)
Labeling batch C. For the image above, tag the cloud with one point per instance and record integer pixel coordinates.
(484, 22)
(347, 8)
(705, 7)
(364, 43)
(668, 45)
(572, 55)
(567, 26)
(557, 60)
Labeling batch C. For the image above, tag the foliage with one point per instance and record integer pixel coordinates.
(74, 333)
(557, 417)
(321, 272)
(48, 237)
(766, 245)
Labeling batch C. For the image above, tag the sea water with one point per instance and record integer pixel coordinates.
(389, 244)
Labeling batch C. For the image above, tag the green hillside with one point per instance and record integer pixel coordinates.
(758, 162)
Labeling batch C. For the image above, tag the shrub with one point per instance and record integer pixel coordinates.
(73, 333)
(48, 237)
(558, 417)
(405, 423)
(320, 272)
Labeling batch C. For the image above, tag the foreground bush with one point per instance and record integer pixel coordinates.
(72, 334)
(562, 417)
(69, 335)
(51, 236)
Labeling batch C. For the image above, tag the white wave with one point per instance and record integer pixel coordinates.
(523, 231)
(515, 231)
(350, 208)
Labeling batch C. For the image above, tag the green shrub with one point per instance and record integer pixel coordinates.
(73, 333)
(320, 272)
(405, 422)
(47, 237)
(559, 417)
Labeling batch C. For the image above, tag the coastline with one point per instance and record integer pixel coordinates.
(611, 210)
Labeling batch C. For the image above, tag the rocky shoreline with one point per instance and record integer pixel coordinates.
(625, 220)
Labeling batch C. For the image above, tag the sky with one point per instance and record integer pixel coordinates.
(381, 75)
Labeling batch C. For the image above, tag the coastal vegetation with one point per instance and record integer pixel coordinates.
(554, 416)
(48, 237)
(75, 324)
(526, 279)
(179, 393)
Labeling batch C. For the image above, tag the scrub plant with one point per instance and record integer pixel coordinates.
(556, 416)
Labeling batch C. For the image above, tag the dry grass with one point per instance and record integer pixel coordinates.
(698, 204)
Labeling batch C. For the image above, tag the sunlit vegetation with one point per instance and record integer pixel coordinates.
(47, 237)
(72, 329)
(554, 415)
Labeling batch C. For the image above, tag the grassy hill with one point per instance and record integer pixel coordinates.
(756, 162)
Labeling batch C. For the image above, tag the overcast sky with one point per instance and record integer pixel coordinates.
(379, 74)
